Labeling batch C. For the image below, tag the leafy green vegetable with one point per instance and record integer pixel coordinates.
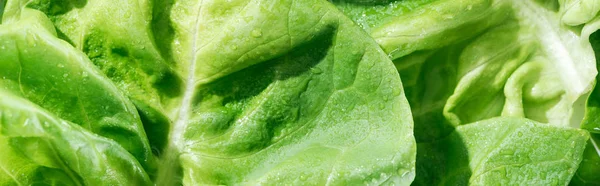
(586, 175)
(467, 61)
(505, 151)
(504, 58)
(40, 148)
(254, 92)
(247, 96)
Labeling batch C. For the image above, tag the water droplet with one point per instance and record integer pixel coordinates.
(65, 75)
(84, 74)
(60, 66)
(256, 33)
(234, 47)
(32, 39)
(303, 177)
(520, 134)
(396, 91)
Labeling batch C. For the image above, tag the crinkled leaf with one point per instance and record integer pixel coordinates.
(528, 63)
(509, 58)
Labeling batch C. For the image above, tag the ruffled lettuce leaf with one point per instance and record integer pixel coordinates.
(468, 61)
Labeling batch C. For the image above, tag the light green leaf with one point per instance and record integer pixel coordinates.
(511, 58)
(50, 73)
(505, 151)
(250, 92)
(431, 25)
(39, 148)
(577, 12)
(317, 95)
(467, 61)
(586, 174)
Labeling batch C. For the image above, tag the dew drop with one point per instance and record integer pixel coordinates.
(32, 39)
(303, 177)
(256, 33)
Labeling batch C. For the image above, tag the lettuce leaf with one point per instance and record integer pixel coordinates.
(255, 92)
(237, 92)
(464, 62)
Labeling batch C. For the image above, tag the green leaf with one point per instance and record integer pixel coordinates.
(50, 73)
(577, 12)
(590, 165)
(248, 92)
(505, 151)
(586, 174)
(493, 58)
(431, 25)
(39, 148)
(306, 89)
(467, 61)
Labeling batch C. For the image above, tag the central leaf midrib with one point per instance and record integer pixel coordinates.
(184, 111)
(169, 165)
